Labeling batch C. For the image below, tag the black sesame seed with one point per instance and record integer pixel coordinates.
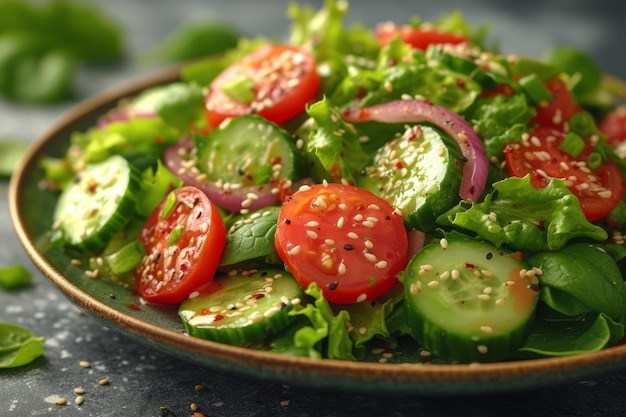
(387, 217)
(333, 285)
(287, 221)
(489, 255)
(348, 246)
(534, 287)
(112, 296)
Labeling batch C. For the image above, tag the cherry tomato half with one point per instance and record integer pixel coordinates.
(562, 107)
(418, 38)
(614, 126)
(348, 241)
(184, 238)
(598, 191)
(284, 79)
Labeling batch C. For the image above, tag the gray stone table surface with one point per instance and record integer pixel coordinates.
(141, 379)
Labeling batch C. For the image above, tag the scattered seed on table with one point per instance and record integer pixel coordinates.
(104, 381)
(79, 400)
(61, 401)
(85, 364)
(79, 390)
(199, 387)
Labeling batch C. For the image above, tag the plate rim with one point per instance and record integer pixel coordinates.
(316, 373)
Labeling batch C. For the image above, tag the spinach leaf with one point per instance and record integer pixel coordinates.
(251, 236)
(18, 346)
(555, 334)
(579, 279)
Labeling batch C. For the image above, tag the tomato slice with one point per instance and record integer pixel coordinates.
(348, 241)
(184, 238)
(562, 107)
(598, 191)
(613, 125)
(284, 80)
(418, 38)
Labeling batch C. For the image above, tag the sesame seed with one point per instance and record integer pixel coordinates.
(340, 222)
(312, 223)
(381, 264)
(486, 329)
(482, 349)
(61, 401)
(444, 275)
(444, 243)
(295, 250)
(483, 297)
(104, 381)
(361, 298)
(370, 257)
(341, 269)
(79, 400)
(84, 364)
(455, 274)
(79, 390)
(433, 284)
(311, 234)
(368, 223)
(352, 235)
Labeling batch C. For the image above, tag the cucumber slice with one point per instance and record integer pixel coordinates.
(265, 153)
(242, 308)
(468, 301)
(96, 204)
(419, 173)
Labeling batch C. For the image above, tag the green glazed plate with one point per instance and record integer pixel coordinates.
(160, 328)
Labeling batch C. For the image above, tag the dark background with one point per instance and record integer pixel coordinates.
(142, 379)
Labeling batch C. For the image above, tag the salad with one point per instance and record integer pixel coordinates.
(350, 186)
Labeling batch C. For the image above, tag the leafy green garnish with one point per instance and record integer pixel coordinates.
(11, 153)
(18, 346)
(40, 47)
(15, 276)
(581, 278)
(525, 217)
(251, 236)
(195, 39)
(555, 334)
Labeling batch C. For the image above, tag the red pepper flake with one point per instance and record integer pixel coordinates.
(91, 186)
(218, 317)
(257, 296)
(470, 266)
(399, 165)
(134, 306)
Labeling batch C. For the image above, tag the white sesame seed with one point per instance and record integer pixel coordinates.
(311, 234)
(352, 235)
(361, 298)
(482, 349)
(381, 264)
(433, 284)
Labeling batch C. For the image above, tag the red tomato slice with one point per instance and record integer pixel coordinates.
(184, 239)
(598, 191)
(562, 107)
(285, 80)
(614, 126)
(348, 241)
(418, 38)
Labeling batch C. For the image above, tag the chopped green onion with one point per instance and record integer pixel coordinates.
(15, 276)
(126, 258)
(169, 205)
(573, 145)
(583, 123)
(594, 160)
(176, 233)
(535, 89)
(240, 89)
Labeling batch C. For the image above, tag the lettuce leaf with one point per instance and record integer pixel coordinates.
(524, 217)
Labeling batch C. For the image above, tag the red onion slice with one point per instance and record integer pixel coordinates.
(229, 198)
(416, 111)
